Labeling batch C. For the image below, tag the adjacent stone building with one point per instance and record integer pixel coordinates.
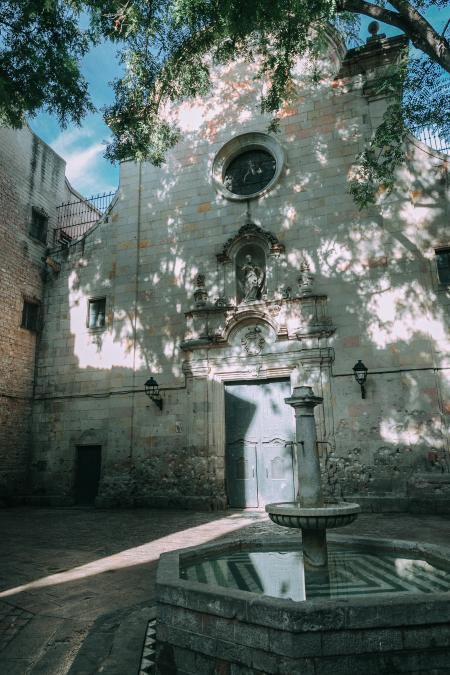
(31, 185)
(240, 268)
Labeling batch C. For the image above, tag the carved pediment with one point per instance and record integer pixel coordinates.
(250, 232)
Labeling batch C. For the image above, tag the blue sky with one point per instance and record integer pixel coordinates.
(83, 147)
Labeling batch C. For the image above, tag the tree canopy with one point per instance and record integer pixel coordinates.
(167, 47)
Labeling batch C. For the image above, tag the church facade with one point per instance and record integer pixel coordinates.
(238, 270)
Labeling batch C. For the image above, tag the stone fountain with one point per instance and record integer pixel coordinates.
(310, 513)
(264, 606)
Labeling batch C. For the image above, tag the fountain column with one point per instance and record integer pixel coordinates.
(310, 493)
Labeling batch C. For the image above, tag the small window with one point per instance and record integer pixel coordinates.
(30, 315)
(96, 314)
(443, 265)
(39, 223)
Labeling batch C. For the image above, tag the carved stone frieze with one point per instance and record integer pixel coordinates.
(291, 318)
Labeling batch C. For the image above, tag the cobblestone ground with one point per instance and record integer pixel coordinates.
(77, 585)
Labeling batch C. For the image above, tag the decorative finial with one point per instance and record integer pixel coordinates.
(373, 29)
(200, 293)
(305, 280)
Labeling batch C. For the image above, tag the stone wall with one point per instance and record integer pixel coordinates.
(375, 269)
(31, 175)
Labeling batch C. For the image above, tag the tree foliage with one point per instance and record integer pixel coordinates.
(167, 48)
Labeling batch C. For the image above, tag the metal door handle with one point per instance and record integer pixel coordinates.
(253, 472)
(267, 473)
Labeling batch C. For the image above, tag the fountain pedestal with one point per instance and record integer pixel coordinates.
(309, 483)
(309, 512)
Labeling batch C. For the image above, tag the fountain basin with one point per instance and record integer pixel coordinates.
(291, 514)
(203, 627)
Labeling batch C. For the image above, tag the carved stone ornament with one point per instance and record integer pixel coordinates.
(253, 341)
(305, 280)
(200, 293)
(221, 301)
(251, 231)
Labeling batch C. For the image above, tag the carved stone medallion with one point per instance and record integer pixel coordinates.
(253, 341)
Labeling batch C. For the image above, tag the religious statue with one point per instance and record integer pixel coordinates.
(253, 281)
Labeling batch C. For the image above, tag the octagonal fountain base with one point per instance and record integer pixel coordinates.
(242, 607)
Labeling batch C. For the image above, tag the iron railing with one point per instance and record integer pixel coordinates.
(75, 218)
(432, 137)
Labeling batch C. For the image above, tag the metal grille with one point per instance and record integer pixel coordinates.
(75, 218)
(430, 136)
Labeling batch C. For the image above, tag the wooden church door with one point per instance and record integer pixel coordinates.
(259, 443)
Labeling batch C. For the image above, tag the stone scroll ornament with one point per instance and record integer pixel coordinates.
(253, 341)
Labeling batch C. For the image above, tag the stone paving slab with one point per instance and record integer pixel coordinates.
(77, 585)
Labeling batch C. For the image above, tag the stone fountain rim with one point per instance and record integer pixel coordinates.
(331, 509)
(193, 595)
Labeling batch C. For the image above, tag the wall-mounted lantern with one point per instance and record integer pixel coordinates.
(360, 373)
(152, 391)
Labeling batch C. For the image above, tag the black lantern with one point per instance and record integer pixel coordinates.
(360, 373)
(152, 391)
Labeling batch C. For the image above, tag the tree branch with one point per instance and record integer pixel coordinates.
(374, 11)
(424, 33)
(411, 22)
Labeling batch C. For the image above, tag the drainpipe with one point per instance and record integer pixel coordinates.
(135, 318)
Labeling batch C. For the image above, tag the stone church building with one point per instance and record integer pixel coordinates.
(237, 270)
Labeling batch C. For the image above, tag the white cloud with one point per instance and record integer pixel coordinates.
(80, 163)
(83, 151)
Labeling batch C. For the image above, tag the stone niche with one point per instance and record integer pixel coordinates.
(254, 310)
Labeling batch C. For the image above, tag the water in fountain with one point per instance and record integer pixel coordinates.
(351, 573)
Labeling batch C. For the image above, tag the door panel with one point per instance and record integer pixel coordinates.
(259, 434)
(241, 408)
(241, 442)
(87, 473)
(277, 434)
(278, 472)
(241, 475)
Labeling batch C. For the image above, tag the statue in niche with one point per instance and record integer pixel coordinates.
(251, 277)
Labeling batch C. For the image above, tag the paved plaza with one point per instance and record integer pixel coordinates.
(78, 585)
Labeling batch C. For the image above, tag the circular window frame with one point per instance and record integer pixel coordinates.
(235, 147)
